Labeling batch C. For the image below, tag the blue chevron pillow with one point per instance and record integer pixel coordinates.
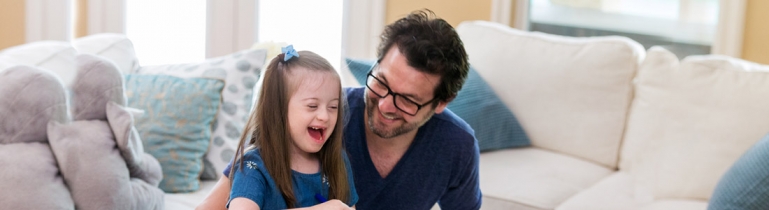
(746, 184)
(495, 125)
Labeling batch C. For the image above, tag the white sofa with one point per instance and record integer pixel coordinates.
(613, 126)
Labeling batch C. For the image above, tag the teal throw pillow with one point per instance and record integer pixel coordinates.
(176, 125)
(495, 125)
(745, 185)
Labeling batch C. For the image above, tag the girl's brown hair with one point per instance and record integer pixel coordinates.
(268, 129)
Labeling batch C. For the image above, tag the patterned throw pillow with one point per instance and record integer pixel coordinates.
(176, 125)
(495, 125)
(240, 72)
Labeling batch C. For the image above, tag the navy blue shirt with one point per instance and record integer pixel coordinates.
(255, 183)
(441, 165)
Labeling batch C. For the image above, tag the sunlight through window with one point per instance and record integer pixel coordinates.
(167, 31)
(307, 24)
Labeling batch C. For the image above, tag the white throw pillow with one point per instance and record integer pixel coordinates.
(115, 47)
(691, 120)
(55, 56)
(4, 65)
(240, 71)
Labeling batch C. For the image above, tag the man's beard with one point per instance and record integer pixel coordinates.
(371, 103)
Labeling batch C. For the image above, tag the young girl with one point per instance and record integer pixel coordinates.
(294, 157)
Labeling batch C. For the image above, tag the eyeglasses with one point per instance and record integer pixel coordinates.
(400, 101)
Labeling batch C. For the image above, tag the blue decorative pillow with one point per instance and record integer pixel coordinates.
(495, 125)
(746, 184)
(176, 125)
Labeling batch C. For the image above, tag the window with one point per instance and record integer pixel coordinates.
(307, 24)
(685, 27)
(167, 31)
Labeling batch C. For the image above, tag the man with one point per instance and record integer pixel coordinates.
(406, 150)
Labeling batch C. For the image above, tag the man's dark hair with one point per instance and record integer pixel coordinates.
(430, 45)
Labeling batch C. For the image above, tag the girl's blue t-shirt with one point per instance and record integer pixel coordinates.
(255, 183)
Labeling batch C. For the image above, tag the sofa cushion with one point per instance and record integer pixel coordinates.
(746, 184)
(176, 127)
(618, 192)
(189, 200)
(494, 125)
(115, 47)
(240, 72)
(571, 95)
(54, 56)
(691, 120)
(677, 204)
(535, 177)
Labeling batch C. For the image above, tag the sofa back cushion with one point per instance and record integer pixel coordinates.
(115, 47)
(571, 95)
(691, 120)
(54, 56)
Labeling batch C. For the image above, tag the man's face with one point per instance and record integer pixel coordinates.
(383, 117)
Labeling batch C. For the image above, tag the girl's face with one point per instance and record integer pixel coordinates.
(312, 109)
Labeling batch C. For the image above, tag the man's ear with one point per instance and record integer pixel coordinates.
(442, 105)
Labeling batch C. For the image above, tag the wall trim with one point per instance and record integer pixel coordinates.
(521, 15)
(501, 11)
(106, 16)
(730, 29)
(47, 20)
(230, 26)
(363, 23)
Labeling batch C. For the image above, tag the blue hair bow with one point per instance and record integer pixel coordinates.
(290, 52)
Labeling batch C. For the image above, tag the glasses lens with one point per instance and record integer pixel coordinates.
(381, 90)
(375, 86)
(406, 106)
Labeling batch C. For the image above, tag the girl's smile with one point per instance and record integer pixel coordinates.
(313, 107)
